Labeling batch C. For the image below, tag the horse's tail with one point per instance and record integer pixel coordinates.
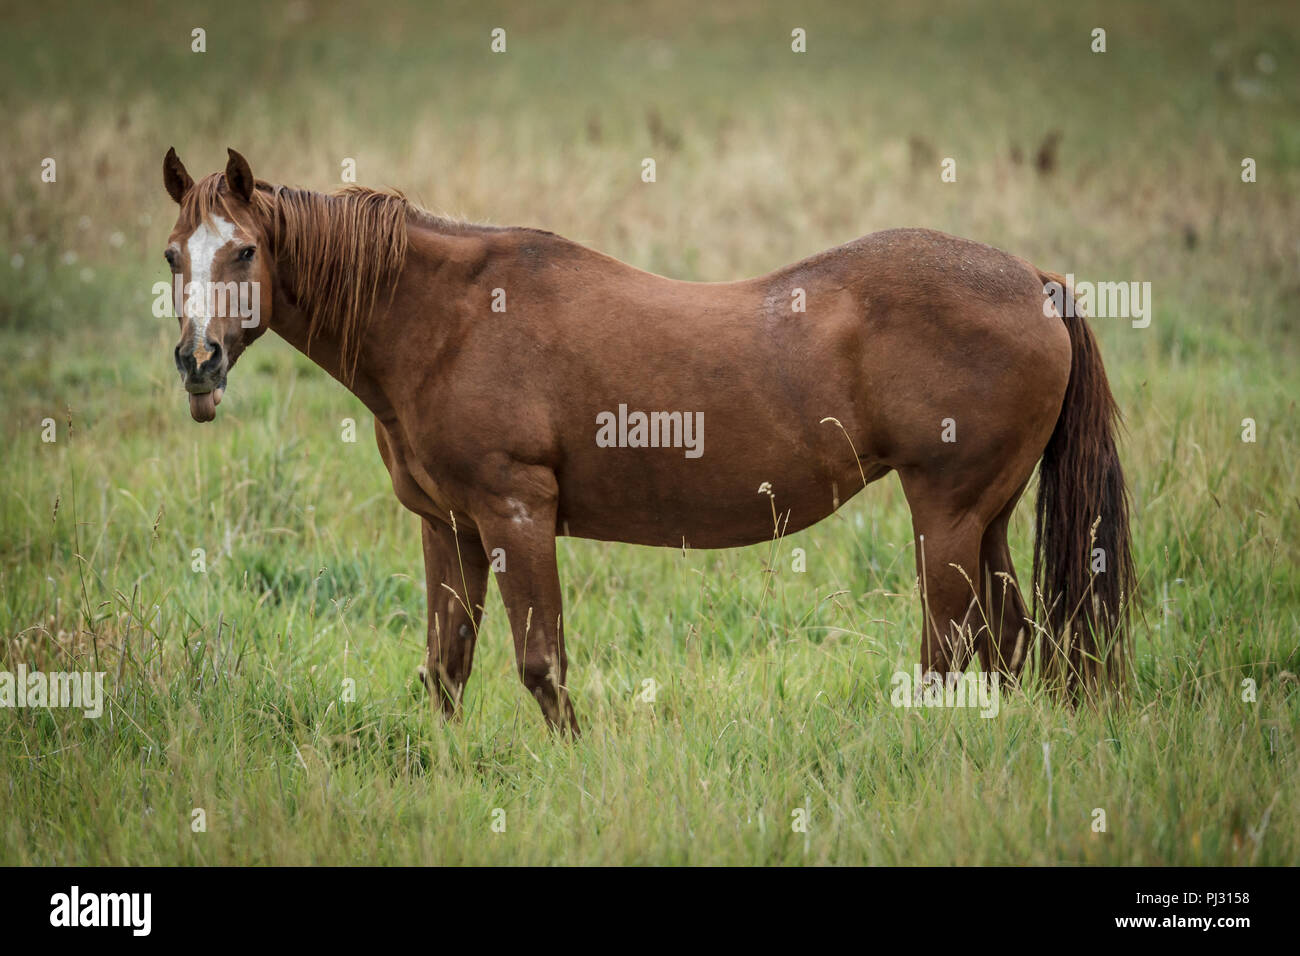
(1084, 576)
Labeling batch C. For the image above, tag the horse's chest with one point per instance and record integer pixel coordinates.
(415, 487)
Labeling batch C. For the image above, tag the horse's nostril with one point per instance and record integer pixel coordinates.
(213, 358)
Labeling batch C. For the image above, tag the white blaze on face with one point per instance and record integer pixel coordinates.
(203, 245)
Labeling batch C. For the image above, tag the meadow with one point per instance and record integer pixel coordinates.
(235, 580)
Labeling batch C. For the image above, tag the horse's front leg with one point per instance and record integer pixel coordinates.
(517, 524)
(455, 572)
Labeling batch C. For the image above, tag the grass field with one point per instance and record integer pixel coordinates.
(225, 687)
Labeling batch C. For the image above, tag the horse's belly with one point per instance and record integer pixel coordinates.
(707, 513)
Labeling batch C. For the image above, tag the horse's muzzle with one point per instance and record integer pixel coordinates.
(203, 374)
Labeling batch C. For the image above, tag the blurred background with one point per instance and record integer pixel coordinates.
(1122, 166)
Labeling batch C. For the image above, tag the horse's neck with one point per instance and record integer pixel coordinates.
(409, 315)
(324, 349)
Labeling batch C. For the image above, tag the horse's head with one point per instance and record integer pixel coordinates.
(221, 261)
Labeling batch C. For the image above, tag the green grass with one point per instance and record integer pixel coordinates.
(773, 687)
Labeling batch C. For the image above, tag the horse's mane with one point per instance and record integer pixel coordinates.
(341, 249)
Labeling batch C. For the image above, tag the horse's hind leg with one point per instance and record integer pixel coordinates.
(948, 567)
(1004, 645)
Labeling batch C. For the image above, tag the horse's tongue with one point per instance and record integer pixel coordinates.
(203, 408)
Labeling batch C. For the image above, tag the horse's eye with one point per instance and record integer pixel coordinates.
(246, 253)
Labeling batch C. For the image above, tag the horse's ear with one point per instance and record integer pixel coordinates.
(175, 178)
(239, 176)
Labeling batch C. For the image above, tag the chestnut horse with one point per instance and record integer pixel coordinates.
(512, 375)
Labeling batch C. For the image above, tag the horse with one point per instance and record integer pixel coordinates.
(500, 365)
